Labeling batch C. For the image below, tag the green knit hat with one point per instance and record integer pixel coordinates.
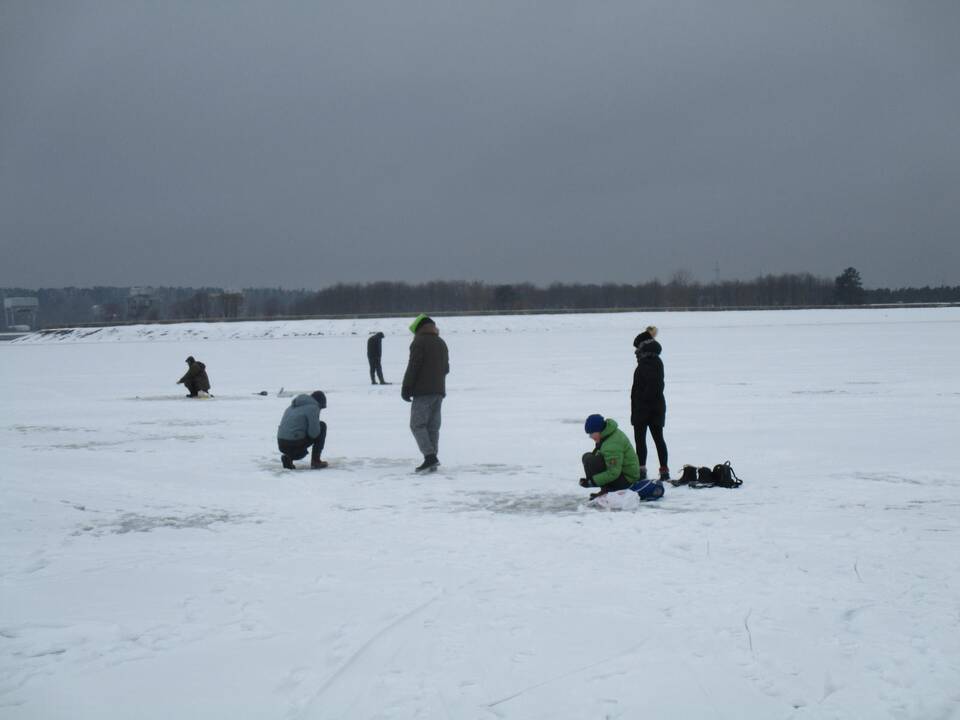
(417, 321)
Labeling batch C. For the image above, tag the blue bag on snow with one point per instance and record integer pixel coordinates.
(648, 489)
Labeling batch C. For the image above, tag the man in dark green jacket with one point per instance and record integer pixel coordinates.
(195, 379)
(613, 464)
(425, 386)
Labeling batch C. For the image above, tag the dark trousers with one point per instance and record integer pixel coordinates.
(193, 386)
(594, 464)
(640, 437)
(375, 368)
(296, 449)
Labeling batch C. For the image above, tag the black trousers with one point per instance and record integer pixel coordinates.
(594, 464)
(375, 368)
(296, 449)
(640, 437)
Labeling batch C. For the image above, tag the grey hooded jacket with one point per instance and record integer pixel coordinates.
(301, 420)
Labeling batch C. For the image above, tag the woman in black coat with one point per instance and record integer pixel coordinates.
(648, 407)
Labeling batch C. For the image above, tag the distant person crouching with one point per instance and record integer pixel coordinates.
(195, 379)
(300, 428)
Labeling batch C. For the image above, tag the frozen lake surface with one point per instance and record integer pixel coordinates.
(158, 563)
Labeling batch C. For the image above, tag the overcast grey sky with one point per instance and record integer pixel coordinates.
(303, 143)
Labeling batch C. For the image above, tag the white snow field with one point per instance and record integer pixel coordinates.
(157, 562)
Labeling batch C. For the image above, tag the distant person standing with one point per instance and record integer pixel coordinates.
(425, 386)
(301, 429)
(648, 406)
(374, 353)
(195, 379)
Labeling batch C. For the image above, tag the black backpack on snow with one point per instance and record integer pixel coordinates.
(724, 476)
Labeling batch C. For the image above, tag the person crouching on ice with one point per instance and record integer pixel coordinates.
(300, 428)
(195, 379)
(613, 464)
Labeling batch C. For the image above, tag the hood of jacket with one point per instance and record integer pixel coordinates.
(301, 400)
(609, 429)
(648, 348)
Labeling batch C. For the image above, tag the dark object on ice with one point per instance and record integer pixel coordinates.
(374, 353)
(687, 476)
(195, 379)
(301, 430)
(262, 392)
(724, 476)
(703, 477)
(430, 462)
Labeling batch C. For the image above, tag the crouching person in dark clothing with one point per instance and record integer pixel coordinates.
(195, 380)
(613, 465)
(300, 428)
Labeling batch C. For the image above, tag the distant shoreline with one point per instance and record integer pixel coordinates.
(478, 313)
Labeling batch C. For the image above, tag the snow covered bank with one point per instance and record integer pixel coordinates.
(156, 561)
(278, 329)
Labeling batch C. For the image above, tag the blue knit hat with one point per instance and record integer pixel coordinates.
(594, 423)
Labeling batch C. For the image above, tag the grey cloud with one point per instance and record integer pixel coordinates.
(294, 144)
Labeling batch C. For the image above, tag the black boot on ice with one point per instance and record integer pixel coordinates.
(430, 462)
(287, 462)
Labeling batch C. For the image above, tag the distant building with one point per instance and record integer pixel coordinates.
(20, 313)
(140, 302)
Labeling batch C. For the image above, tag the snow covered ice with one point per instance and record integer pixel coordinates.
(158, 563)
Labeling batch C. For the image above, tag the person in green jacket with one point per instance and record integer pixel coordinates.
(613, 464)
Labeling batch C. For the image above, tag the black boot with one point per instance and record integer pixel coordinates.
(287, 462)
(430, 462)
(315, 462)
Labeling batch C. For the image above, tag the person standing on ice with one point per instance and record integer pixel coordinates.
(374, 353)
(648, 407)
(301, 428)
(425, 386)
(195, 379)
(613, 464)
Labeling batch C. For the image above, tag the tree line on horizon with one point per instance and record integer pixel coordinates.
(69, 306)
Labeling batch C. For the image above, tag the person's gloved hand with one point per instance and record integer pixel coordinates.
(406, 396)
(586, 482)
